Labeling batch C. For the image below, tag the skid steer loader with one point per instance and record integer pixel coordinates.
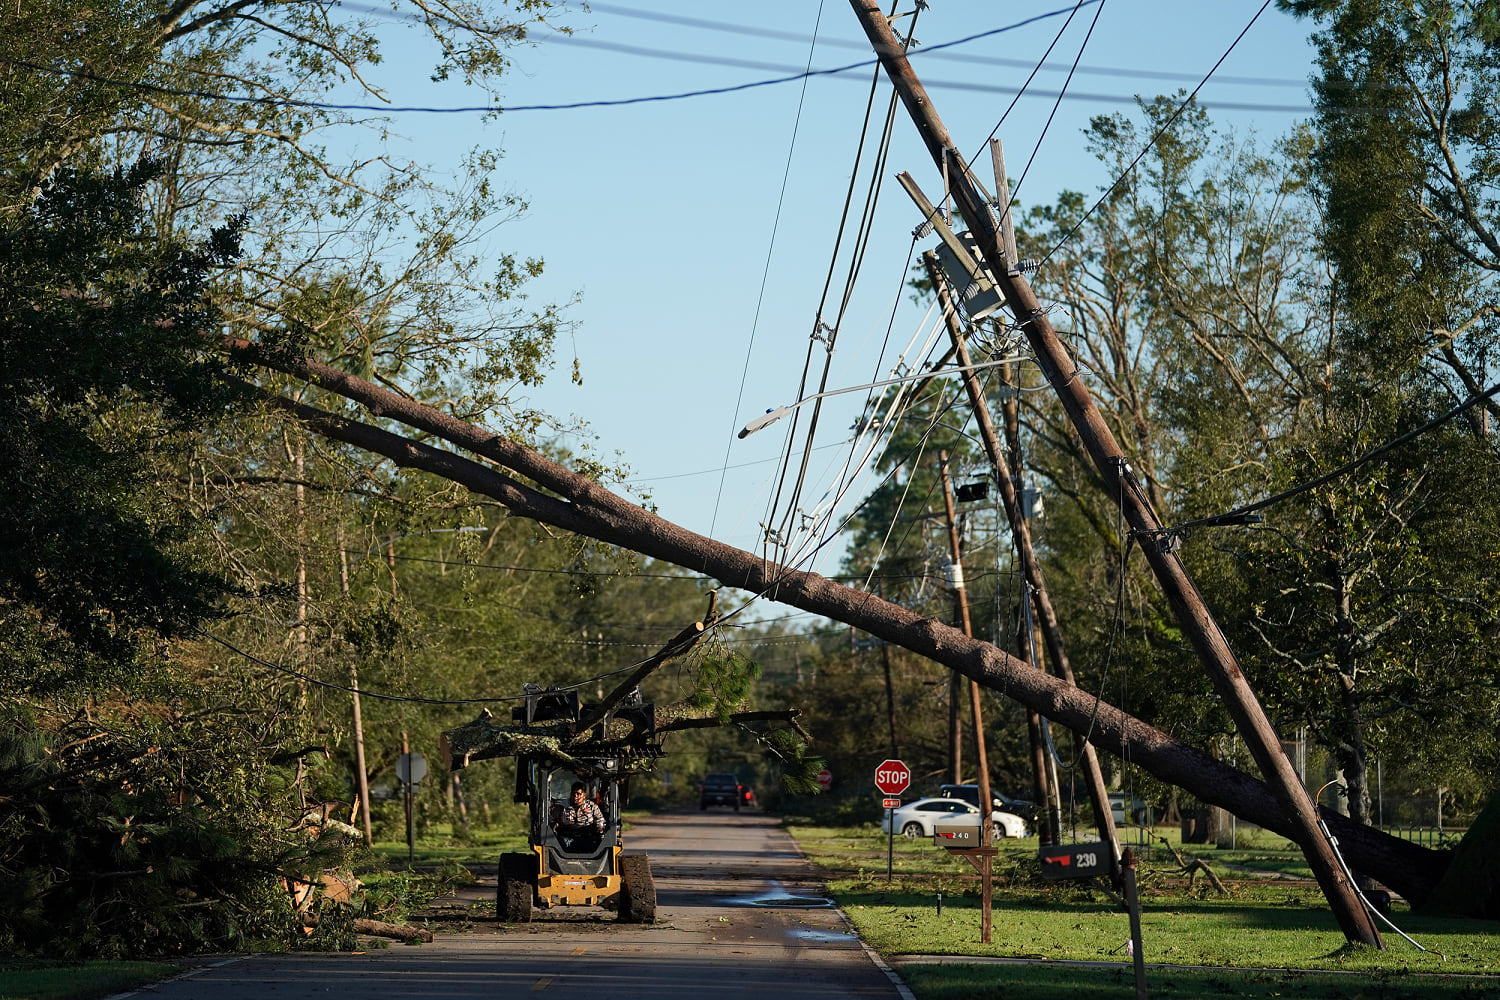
(565, 867)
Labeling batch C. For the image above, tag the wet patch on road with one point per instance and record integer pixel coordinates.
(782, 900)
(819, 937)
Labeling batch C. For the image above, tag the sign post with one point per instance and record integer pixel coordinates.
(411, 768)
(891, 779)
(1133, 901)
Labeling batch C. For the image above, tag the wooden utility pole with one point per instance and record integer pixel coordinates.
(1027, 642)
(961, 600)
(1158, 545)
(1031, 567)
(890, 697)
(955, 729)
(890, 692)
(1048, 825)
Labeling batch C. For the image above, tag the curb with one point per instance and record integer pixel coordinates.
(191, 973)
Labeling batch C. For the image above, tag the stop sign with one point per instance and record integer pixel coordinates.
(892, 777)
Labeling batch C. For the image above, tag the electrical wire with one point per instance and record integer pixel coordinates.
(793, 565)
(765, 275)
(739, 465)
(811, 551)
(1047, 125)
(921, 52)
(290, 102)
(1342, 470)
(1035, 69)
(819, 327)
(855, 462)
(872, 199)
(896, 409)
(1333, 842)
(1176, 114)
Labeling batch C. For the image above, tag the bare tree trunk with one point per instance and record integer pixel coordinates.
(299, 460)
(1352, 755)
(461, 808)
(362, 776)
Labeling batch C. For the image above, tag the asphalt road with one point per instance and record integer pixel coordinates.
(739, 913)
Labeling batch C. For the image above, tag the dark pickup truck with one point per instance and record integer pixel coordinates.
(720, 790)
(1023, 808)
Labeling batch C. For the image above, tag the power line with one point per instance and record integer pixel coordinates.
(351, 690)
(1047, 125)
(1035, 69)
(1342, 470)
(290, 102)
(723, 468)
(765, 275)
(807, 554)
(837, 72)
(920, 52)
(821, 328)
(1181, 107)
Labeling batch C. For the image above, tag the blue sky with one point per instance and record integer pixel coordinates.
(701, 277)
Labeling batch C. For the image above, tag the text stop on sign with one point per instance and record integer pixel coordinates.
(892, 777)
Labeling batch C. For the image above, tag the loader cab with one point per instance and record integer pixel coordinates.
(568, 853)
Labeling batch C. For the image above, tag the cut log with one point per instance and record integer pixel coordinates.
(401, 931)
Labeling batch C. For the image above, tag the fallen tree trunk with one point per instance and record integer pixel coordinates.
(583, 506)
(380, 928)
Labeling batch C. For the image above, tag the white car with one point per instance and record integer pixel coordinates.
(918, 819)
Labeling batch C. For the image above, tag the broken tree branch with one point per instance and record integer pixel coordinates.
(680, 644)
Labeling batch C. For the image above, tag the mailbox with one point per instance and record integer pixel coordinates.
(1076, 861)
(955, 834)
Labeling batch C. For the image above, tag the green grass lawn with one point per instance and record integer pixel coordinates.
(1238, 943)
(41, 980)
(437, 845)
(1056, 982)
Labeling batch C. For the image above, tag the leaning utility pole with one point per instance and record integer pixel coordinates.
(1031, 567)
(1158, 545)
